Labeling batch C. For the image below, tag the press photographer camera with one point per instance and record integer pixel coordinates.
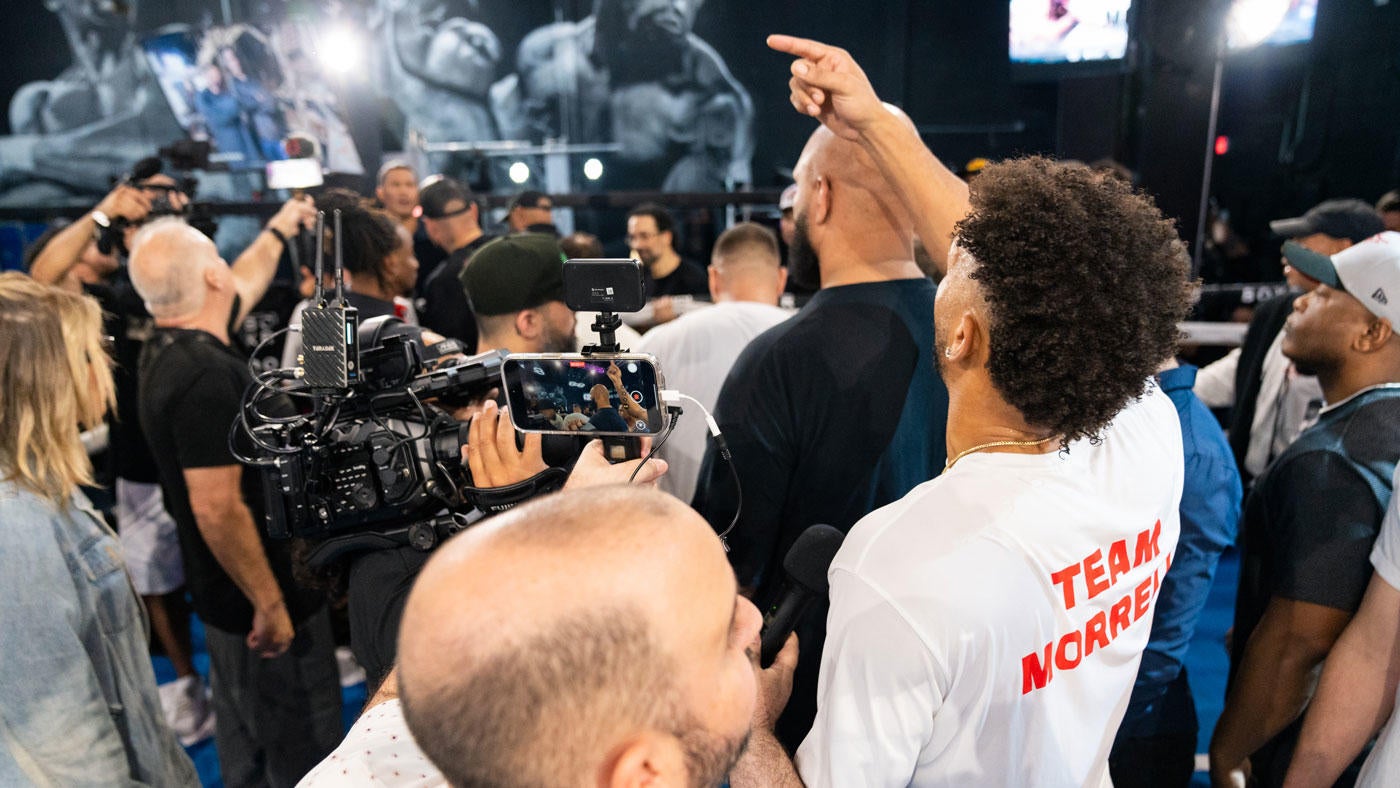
(152, 192)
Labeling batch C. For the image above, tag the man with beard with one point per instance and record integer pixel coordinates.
(516, 288)
(622, 661)
(1311, 519)
(839, 410)
(651, 234)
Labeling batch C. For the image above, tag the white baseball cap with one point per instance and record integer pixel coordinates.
(1369, 271)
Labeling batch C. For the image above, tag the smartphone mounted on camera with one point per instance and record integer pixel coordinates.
(602, 396)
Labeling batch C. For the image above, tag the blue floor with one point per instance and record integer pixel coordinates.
(1207, 662)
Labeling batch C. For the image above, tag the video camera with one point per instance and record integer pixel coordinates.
(377, 460)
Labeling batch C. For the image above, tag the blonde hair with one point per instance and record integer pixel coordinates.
(55, 378)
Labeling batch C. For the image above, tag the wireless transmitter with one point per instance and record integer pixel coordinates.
(330, 347)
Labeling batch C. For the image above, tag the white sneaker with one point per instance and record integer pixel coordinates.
(185, 702)
(350, 671)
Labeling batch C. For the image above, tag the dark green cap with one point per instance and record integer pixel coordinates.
(514, 273)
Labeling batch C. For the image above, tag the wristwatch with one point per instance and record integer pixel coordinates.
(101, 219)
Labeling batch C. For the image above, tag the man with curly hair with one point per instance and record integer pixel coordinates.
(987, 628)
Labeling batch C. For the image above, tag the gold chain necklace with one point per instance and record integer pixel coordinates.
(993, 445)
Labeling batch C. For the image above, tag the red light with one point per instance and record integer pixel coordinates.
(1222, 145)
(576, 364)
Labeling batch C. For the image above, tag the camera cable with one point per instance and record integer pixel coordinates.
(672, 399)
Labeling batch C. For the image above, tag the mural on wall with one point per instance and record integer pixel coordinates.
(629, 73)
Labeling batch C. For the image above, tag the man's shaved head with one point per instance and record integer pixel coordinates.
(845, 209)
(538, 648)
(168, 263)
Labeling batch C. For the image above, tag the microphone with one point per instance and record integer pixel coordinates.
(805, 565)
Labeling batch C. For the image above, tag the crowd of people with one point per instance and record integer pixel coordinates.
(1034, 489)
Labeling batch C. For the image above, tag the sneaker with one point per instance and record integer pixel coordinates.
(350, 671)
(185, 702)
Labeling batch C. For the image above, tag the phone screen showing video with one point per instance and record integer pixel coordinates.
(584, 396)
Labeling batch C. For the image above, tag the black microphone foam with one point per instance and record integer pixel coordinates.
(805, 565)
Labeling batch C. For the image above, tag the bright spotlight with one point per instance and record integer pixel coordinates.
(341, 51)
(1251, 22)
(519, 172)
(593, 169)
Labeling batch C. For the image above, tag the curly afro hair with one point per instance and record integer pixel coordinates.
(1086, 282)
(370, 235)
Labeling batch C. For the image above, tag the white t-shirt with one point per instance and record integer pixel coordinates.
(986, 629)
(696, 351)
(378, 751)
(1382, 766)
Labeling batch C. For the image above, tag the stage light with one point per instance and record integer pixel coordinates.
(519, 172)
(593, 169)
(1222, 145)
(340, 50)
(1251, 22)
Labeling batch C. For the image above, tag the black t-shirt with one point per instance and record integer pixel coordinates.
(126, 320)
(1309, 524)
(689, 278)
(428, 254)
(191, 386)
(447, 310)
(377, 588)
(268, 317)
(607, 420)
(828, 416)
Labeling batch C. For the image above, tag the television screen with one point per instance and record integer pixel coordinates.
(1271, 22)
(1068, 31)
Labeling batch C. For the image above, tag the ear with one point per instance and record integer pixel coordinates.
(714, 283)
(965, 344)
(528, 323)
(648, 760)
(820, 207)
(1378, 332)
(782, 280)
(211, 278)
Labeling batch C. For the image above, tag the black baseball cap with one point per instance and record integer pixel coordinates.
(439, 192)
(1353, 220)
(530, 199)
(514, 273)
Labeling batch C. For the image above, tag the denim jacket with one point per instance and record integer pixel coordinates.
(78, 701)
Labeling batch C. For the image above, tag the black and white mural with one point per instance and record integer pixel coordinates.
(453, 84)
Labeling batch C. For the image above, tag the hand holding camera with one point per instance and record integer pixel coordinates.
(124, 202)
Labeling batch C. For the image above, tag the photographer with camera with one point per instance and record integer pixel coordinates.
(276, 687)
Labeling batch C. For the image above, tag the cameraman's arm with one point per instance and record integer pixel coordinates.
(227, 526)
(64, 250)
(254, 269)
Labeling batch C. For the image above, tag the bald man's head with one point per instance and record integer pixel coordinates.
(169, 263)
(574, 636)
(845, 205)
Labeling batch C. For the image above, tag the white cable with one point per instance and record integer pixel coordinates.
(672, 398)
